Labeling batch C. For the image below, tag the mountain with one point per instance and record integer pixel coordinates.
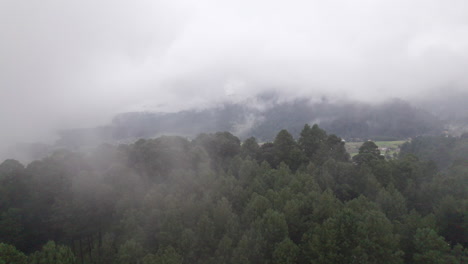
(395, 119)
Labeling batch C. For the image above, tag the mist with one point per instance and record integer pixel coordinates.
(78, 63)
(208, 131)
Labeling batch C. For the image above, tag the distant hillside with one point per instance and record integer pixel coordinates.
(395, 119)
(450, 106)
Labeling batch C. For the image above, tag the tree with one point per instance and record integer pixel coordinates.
(268, 153)
(166, 255)
(377, 240)
(451, 218)
(286, 252)
(50, 181)
(220, 145)
(10, 166)
(369, 147)
(311, 139)
(169, 200)
(14, 193)
(10, 255)
(223, 253)
(336, 148)
(52, 253)
(205, 233)
(406, 229)
(287, 151)
(368, 152)
(284, 143)
(131, 252)
(431, 248)
(250, 148)
(273, 228)
(353, 237)
(392, 203)
(12, 228)
(256, 207)
(228, 145)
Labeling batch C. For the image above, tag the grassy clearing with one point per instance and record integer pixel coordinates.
(392, 147)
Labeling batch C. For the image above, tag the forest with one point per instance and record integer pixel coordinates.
(262, 117)
(216, 199)
(352, 120)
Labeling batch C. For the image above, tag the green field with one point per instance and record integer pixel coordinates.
(391, 146)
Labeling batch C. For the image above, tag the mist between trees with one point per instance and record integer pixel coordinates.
(215, 199)
(262, 117)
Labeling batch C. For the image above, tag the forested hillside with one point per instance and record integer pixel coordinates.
(215, 199)
(262, 118)
(443, 150)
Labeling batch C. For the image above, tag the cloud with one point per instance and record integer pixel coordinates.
(76, 63)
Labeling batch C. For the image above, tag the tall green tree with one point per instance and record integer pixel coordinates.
(312, 139)
(51, 253)
(368, 152)
(431, 248)
(287, 151)
(250, 148)
(286, 252)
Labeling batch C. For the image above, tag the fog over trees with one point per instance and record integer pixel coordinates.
(246, 131)
(259, 117)
(216, 200)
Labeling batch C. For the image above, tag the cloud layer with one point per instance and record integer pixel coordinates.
(76, 63)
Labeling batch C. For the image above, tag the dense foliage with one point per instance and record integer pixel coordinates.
(445, 151)
(215, 200)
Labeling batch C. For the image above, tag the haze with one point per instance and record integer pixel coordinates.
(70, 64)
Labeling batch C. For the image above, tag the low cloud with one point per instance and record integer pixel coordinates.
(77, 63)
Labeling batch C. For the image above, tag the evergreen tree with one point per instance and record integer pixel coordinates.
(10, 255)
(368, 152)
(311, 140)
(431, 248)
(52, 253)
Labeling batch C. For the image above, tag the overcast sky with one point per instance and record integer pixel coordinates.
(76, 63)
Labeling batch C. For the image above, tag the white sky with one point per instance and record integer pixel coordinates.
(76, 63)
